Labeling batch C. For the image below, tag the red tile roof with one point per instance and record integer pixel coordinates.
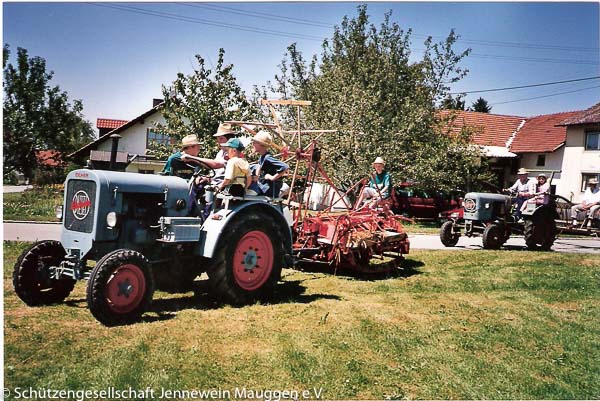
(589, 116)
(540, 134)
(49, 158)
(491, 129)
(108, 123)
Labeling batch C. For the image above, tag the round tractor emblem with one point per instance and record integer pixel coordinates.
(81, 205)
(470, 205)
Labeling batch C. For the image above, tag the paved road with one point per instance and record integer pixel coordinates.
(568, 245)
(35, 231)
(15, 188)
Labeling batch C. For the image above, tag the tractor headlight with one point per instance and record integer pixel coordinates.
(111, 219)
(58, 212)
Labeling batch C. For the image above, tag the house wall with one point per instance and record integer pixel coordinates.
(554, 161)
(576, 161)
(133, 141)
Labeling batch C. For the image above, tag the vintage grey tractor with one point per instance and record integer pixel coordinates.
(491, 216)
(138, 230)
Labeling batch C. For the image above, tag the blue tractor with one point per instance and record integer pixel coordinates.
(492, 217)
(139, 231)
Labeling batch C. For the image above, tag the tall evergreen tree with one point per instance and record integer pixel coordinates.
(481, 105)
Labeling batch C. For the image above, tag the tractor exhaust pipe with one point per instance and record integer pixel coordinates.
(113, 151)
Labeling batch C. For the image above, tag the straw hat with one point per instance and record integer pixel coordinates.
(593, 181)
(522, 171)
(224, 129)
(379, 160)
(189, 140)
(264, 138)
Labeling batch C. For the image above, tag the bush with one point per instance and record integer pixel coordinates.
(44, 176)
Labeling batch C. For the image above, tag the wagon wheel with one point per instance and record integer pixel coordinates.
(31, 274)
(249, 259)
(120, 288)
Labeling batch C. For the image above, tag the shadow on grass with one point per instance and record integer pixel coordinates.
(403, 269)
(291, 291)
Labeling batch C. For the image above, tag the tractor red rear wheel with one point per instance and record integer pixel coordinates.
(248, 260)
(120, 288)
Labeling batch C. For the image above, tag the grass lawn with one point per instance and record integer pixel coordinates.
(35, 204)
(452, 325)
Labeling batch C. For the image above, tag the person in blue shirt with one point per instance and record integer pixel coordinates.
(270, 170)
(178, 163)
(380, 185)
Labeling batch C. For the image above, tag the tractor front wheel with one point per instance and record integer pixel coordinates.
(447, 234)
(120, 288)
(248, 262)
(493, 237)
(31, 275)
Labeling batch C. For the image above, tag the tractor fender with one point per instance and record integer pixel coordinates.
(218, 222)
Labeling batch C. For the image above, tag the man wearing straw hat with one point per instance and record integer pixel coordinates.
(522, 188)
(177, 163)
(272, 169)
(224, 133)
(380, 184)
(590, 204)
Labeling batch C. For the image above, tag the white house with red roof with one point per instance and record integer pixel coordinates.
(581, 160)
(135, 135)
(568, 143)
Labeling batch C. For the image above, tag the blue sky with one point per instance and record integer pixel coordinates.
(115, 61)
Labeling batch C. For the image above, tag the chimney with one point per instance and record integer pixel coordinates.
(156, 102)
(113, 152)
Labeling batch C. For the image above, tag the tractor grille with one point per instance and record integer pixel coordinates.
(80, 206)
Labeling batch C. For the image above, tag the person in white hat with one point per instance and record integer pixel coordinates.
(176, 163)
(380, 185)
(590, 204)
(521, 188)
(267, 177)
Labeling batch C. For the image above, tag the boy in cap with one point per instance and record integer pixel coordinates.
(590, 204)
(380, 184)
(237, 171)
(272, 168)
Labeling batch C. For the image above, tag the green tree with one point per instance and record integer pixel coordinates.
(451, 103)
(364, 86)
(481, 105)
(197, 103)
(37, 116)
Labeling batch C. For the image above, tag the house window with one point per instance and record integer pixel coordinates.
(592, 141)
(585, 177)
(541, 160)
(156, 137)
